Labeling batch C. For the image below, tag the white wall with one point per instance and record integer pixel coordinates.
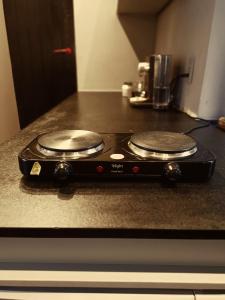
(9, 122)
(183, 30)
(212, 102)
(105, 54)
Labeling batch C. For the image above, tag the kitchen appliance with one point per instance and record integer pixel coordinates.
(143, 83)
(142, 93)
(78, 153)
(154, 82)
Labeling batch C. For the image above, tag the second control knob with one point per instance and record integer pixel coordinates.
(172, 171)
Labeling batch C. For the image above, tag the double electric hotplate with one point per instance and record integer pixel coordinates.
(78, 153)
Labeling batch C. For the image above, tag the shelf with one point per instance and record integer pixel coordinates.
(147, 7)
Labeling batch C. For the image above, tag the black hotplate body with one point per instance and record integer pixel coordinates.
(197, 167)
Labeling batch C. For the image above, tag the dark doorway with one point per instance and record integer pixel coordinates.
(41, 43)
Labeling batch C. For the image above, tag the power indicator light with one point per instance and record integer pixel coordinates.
(136, 169)
(100, 169)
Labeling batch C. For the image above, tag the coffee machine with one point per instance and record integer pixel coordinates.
(153, 88)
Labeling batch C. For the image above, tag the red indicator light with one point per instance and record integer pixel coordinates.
(136, 169)
(99, 169)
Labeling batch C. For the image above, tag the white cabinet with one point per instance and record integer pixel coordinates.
(91, 296)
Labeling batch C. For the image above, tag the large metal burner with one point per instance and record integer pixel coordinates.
(70, 143)
(162, 145)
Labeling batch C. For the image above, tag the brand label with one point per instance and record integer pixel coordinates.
(117, 168)
(117, 156)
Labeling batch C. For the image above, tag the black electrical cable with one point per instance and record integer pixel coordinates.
(173, 86)
(207, 124)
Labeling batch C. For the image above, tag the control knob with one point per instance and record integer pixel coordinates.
(62, 170)
(172, 171)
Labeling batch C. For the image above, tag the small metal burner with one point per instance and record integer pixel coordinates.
(70, 143)
(162, 145)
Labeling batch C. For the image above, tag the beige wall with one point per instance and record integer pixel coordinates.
(212, 102)
(9, 123)
(183, 30)
(108, 47)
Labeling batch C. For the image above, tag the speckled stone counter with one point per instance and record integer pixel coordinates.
(111, 208)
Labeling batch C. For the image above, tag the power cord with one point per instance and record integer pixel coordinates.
(173, 86)
(175, 81)
(207, 124)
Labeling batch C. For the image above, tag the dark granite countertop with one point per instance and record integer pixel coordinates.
(111, 208)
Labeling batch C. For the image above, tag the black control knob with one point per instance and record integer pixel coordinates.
(62, 171)
(172, 171)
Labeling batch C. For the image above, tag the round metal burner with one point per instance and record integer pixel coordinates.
(70, 143)
(162, 145)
